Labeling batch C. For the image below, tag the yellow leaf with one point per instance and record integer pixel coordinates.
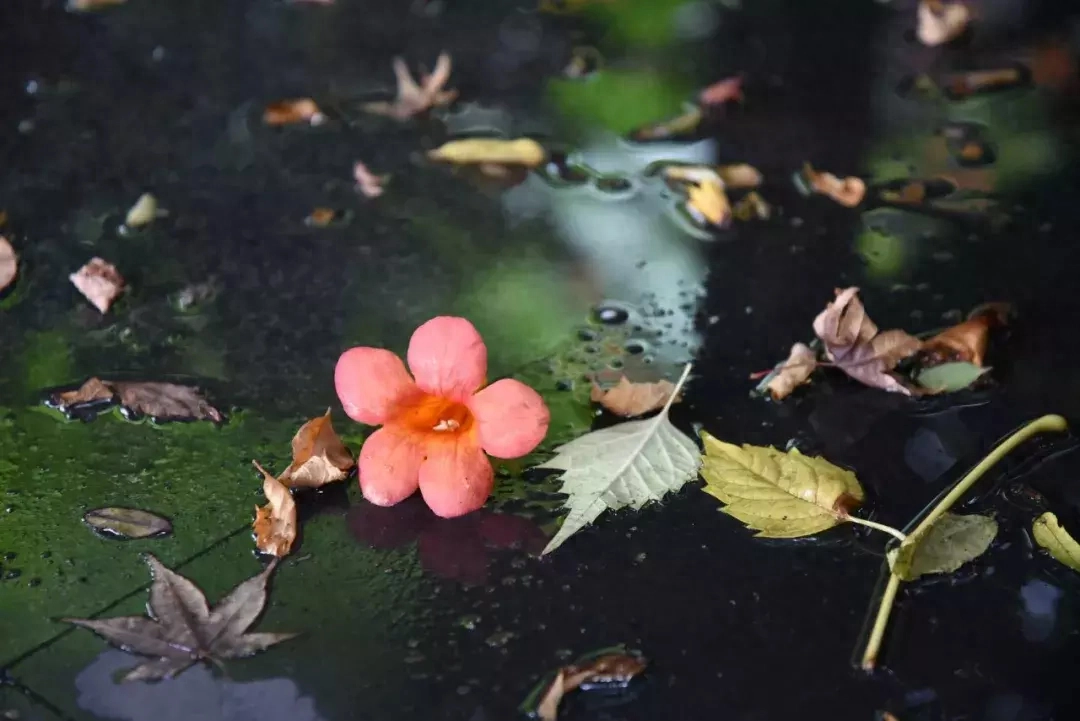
(779, 495)
(319, 456)
(523, 151)
(709, 201)
(1050, 534)
(950, 542)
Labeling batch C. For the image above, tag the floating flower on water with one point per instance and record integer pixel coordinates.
(436, 428)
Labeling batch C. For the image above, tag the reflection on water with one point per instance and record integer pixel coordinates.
(1039, 608)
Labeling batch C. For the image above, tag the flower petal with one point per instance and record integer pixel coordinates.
(512, 418)
(371, 383)
(389, 466)
(448, 358)
(456, 477)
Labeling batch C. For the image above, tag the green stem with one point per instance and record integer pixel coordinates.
(1039, 425)
(899, 535)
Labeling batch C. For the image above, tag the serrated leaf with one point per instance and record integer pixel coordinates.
(949, 377)
(628, 464)
(1051, 535)
(779, 495)
(948, 544)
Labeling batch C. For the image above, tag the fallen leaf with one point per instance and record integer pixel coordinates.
(940, 22)
(739, 175)
(99, 282)
(80, 6)
(9, 263)
(633, 399)
(165, 401)
(707, 202)
(628, 464)
(369, 184)
(913, 193)
(683, 124)
(94, 389)
(795, 371)
(606, 670)
(126, 523)
(961, 85)
(319, 456)
(143, 212)
(413, 99)
(548, 708)
(291, 112)
(779, 495)
(967, 341)
(722, 91)
(949, 543)
(325, 217)
(848, 192)
(751, 206)
(523, 151)
(183, 630)
(893, 346)
(1051, 535)
(949, 377)
(275, 523)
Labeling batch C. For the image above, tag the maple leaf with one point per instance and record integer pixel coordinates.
(183, 630)
(412, 98)
(319, 456)
(275, 523)
(633, 399)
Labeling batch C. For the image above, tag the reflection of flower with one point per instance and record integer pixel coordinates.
(453, 548)
(436, 428)
(197, 694)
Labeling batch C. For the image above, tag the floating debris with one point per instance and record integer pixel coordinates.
(143, 212)
(99, 282)
(293, 112)
(9, 263)
(160, 401)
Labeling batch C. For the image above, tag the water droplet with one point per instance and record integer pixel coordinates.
(611, 315)
(635, 346)
(587, 334)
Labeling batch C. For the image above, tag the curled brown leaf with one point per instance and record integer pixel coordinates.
(292, 112)
(939, 22)
(9, 263)
(319, 456)
(616, 669)
(967, 341)
(633, 399)
(795, 371)
(275, 523)
(722, 91)
(848, 192)
(99, 282)
(893, 346)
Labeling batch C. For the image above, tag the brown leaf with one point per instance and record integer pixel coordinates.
(607, 671)
(548, 708)
(796, 370)
(9, 263)
(99, 282)
(633, 399)
(319, 456)
(751, 206)
(321, 217)
(709, 203)
(291, 112)
(722, 91)
(940, 22)
(844, 321)
(80, 6)
(165, 401)
(912, 193)
(893, 346)
(369, 184)
(967, 341)
(413, 99)
(275, 523)
(740, 175)
(683, 124)
(92, 390)
(848, 192)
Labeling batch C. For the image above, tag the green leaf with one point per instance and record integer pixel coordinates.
(948, 544)
(1050, 534)
(949, 377)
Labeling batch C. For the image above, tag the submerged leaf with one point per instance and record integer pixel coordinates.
(633, 399)
(949, 377)
(779, 495)
(9, 263)
(319, 456)
(127, 523)
(99, 282)
(165, 401)
(1051, 535)
(94, 389)
(183, 630)
(628, 464)
(950, 542)
(607, 671)
(275, 523)
(523, 151)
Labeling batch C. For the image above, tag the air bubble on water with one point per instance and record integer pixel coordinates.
(611, 314)
(636, 346)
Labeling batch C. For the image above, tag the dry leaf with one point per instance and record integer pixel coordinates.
(165, 401)
(722, 91)
(739, 175)
(291, 112)
(321, 217)
(523, 151)
(183, 630)
(143, 212)
(80, 6)
(848, 192)
(707, 202)
(967, 341)
(751, 206)
(275, 523)
(608, 671)
(794, 372)
(779, 495)
(940, 22)
(413, 99)
(94, 389)
(319, 456)
(9, 263)
(633, 399)
(369, 184)
(893, 346)
(99, 282)
(127, 523)
(680, 125)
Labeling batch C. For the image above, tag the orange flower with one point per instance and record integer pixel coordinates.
(436, 428)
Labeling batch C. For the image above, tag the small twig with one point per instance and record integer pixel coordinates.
(897, 534)
(1037, 426)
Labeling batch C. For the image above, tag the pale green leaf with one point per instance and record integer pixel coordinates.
(1050, 534)
(945, 546)
(949, 377)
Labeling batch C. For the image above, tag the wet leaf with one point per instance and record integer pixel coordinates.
(165, 401)
(1051, 535)
(523, 151)
(294, 111)
(369, 184)
(143, 212)
(683, 124)
(94, 389)
(275, 523)
(9, 263)
(949, 377)
(722, 91)
(99, 282)
(795, 371)
(412, 98)
(751, 206)
(325, 217)
(606, 671)
(633, 399)
(183, 630)
(967, 341)
(940, 22)
(779, 495)
(739, 175)
(628, 464)
(127, 523)
(949, 543)
(848, 192)
(708, 203)
(319, 456)
(893, 346)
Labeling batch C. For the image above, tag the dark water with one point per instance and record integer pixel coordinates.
(406, 616)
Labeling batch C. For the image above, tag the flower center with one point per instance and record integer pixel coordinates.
(432, 414)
